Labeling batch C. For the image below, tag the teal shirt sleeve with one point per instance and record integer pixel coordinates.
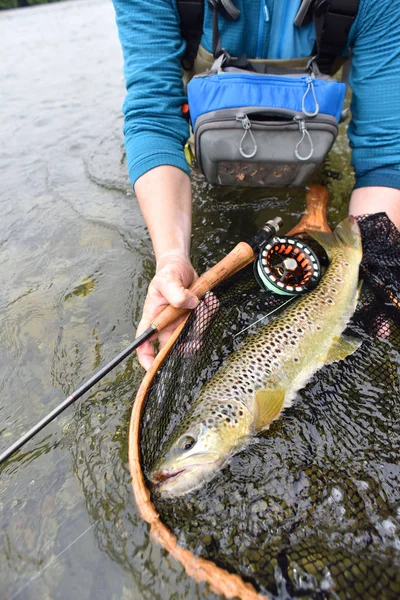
(154, 128)
(374, 131)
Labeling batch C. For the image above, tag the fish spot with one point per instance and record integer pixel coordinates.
(329, 301)
(296, 359)
(227, 419)
(300, 330)
(339, 280)
(346, 264)
(319, 328)
(334, 290)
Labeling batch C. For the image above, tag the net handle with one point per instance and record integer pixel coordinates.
(314, 218)
(239, 257)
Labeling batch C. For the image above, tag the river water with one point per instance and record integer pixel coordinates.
(75, 263)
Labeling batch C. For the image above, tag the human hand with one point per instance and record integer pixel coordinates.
(174, 275)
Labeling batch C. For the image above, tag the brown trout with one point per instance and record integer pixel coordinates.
(263, 375)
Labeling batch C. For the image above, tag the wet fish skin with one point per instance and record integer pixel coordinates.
(263, 376)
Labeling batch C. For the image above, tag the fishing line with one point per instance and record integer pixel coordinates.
(265, 316)
(53, 560)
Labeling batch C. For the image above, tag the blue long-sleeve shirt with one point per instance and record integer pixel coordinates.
(155, 129)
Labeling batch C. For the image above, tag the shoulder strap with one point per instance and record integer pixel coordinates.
(191, 14)
(333, 20)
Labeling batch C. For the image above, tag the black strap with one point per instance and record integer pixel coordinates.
(191, 14)
(333, 20)
(226, 9)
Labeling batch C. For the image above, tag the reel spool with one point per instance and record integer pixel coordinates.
(287, 266)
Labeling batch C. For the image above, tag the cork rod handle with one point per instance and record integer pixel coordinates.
(239, 257)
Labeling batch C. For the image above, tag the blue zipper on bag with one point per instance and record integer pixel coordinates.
(264, 18)
(264, 79)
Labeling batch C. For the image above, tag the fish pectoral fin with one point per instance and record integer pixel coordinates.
(341, 348)
(269, 404)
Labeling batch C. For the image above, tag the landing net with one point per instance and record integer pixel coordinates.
(311, 508)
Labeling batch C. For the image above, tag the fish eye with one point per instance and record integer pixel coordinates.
(187, 442)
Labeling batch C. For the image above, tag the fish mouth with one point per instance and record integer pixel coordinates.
(168, 479)
(162, 475)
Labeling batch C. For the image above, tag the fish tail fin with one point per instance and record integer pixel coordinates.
(346, 235)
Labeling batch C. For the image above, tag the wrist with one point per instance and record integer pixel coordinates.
(171, 257)
(165, 198)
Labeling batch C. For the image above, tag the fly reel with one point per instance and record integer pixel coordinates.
(287, 266)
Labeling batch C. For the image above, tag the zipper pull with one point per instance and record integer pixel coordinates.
(304, 133)
(246, 124)
(310, 86)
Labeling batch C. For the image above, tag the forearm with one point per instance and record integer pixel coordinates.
(374, 131)
(165, 198)
(368, 200)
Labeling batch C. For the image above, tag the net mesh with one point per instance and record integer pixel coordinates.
(311, 508)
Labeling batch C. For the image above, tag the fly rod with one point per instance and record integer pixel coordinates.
(242, 255)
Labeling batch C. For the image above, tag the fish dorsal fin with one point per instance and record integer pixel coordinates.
(341, 348)
(269, 404)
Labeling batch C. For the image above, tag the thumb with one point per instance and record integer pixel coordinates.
(171, 283)
(175, 293)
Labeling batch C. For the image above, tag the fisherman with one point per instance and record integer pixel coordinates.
(156, 129)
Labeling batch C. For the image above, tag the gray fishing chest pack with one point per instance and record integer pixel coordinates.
(262, 144)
